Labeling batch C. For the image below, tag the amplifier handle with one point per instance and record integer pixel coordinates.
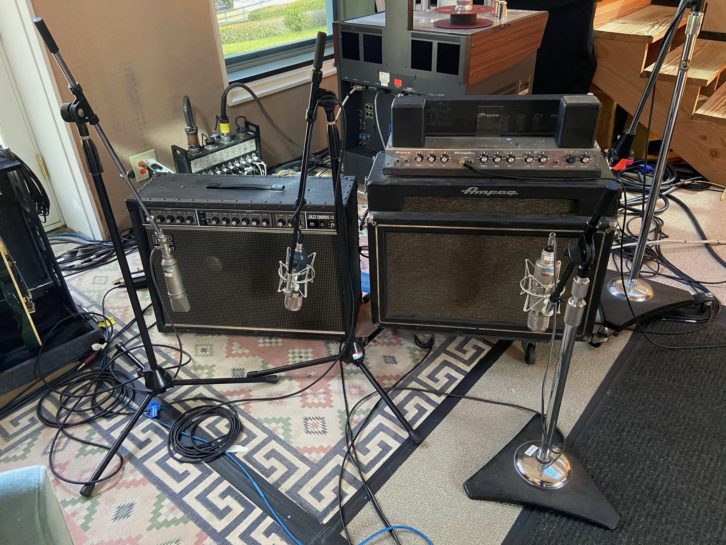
(263, 187)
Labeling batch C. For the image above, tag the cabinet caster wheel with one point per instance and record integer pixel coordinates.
(530, 353)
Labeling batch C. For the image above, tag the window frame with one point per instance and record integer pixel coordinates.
(247, 67)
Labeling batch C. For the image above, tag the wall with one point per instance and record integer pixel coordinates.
(136, 60)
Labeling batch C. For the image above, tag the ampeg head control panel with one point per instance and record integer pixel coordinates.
(518, 159)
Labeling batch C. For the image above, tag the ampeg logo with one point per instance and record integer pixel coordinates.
(473, 190)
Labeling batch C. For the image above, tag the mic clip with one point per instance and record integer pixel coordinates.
(294, 282)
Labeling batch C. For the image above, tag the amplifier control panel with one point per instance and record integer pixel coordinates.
(568, 162)
(253, 219)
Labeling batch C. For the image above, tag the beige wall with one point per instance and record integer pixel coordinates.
(136, 60)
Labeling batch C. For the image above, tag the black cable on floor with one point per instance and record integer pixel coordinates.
(184, 443)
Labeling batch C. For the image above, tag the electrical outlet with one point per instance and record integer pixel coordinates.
(141, 173)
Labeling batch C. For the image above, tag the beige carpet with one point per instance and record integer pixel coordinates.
(427, 491)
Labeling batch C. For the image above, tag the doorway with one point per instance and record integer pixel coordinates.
(16, 134)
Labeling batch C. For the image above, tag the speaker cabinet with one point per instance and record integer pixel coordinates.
(457, 275)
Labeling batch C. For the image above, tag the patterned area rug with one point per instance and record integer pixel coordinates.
(293, 447)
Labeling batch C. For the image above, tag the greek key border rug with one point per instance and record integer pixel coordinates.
(293, 447)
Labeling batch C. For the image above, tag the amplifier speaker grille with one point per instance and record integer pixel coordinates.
(231, 281)
(451, 278)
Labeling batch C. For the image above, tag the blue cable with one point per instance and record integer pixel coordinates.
(411, 529)
(251, 479)
(274, 514)
(264, 498)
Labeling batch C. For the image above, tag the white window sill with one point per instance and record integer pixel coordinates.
(278, 83)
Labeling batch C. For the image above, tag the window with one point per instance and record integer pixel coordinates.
(266, 36)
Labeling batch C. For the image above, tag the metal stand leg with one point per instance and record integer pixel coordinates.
(391, 405)
(87, 489)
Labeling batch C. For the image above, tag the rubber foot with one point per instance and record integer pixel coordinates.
(87, 490)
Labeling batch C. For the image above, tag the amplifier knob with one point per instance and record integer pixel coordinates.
(214, 220)
(234, 221)
(585, 158)
(180, 219)
(170, 219)
(529, 158)
(225, 221)
(431, 158)
(497, 158)
(245, 222)
(281, 222)
(264, 222)
(160, 219)
(511, 158)
(543, 158)
(189, 220)
(444, 158)
(419, 158)
(570, 158)
(483, 158)
(255, 222)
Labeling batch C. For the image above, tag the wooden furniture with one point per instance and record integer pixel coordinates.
(625, 47)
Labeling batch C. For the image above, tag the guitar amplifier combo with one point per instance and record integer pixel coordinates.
(229, 235)
(447, 254)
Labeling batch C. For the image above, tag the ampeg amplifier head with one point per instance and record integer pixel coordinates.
(229, 235)
(538, 136)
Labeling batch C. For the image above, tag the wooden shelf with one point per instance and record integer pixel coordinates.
(609, 10)
(714, 109)
(709, 61)
(646, 25)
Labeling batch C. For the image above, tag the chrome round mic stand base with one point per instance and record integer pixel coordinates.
(550, 474)
(636, 290)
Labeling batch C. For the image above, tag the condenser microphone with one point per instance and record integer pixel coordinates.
(294, 281)
(172, 276)
(539, 283)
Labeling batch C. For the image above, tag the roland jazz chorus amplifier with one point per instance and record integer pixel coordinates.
(229, 236)
(448, 254)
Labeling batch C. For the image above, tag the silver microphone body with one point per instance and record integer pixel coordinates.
(294, 281)
(172, 276)
(544, 278)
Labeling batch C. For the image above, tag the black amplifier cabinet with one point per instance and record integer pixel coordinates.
(447, 254)
(229, 243)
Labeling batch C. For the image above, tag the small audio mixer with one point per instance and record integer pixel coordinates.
(236, 154)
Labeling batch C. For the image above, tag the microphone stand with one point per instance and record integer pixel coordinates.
(156, 378)
(542, 475)
(352, 350)
(644, 298)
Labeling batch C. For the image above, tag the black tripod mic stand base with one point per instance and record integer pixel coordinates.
(617, 313)
(579, 497)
